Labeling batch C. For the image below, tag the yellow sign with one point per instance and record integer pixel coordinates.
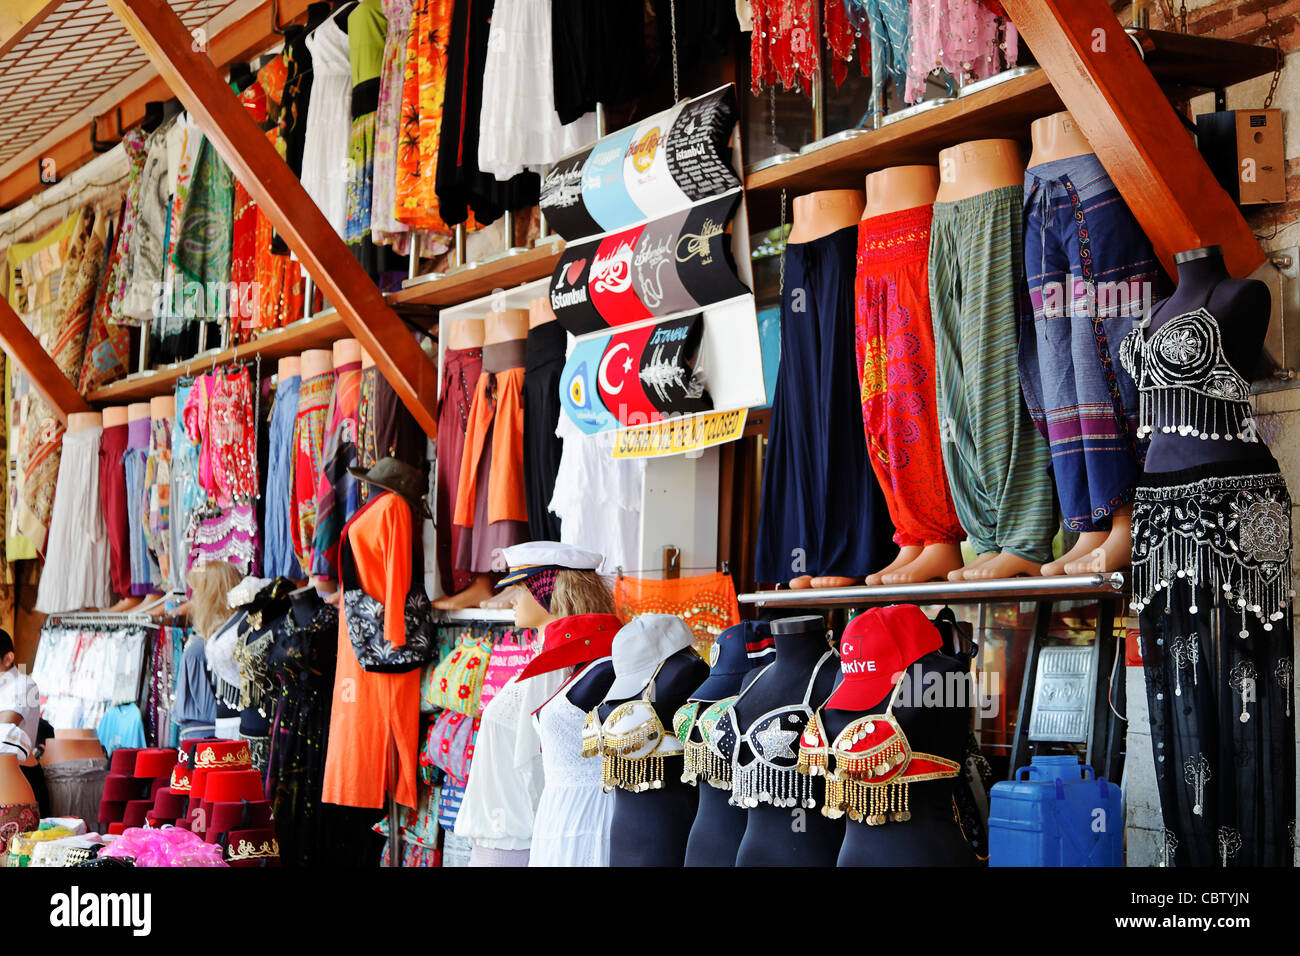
(676, 435)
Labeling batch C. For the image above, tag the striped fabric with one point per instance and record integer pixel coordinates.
(997, 462)
(144, 570)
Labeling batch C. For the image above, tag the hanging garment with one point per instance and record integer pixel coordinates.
(244, 295)
(895, 339)
(598, 497)
(423, 92)
(157, 489)
(75, 787)
(112, 492)
(196, 701)
(397, 131)
(229, 436)
(203, 247)
(707, 602)
(506, 776)
(148, 249)
(597, 54)
(186, 491)
(1212, 563)
(780, 52)
(173, 334)
(278, 557)
(136, 143)
(338, 494)
(372, 711)
(1089, 267)
(461, 369)
(995, 459)
(108, 344)
(889, 25)
(77, 560)
(571, 826)
(386, 427)
(329, 119)
(308, 437)
(367, 26)
(145, 576)
(460, 184)
(543, 363)
(490, 503)
(823, 512)
(519, 129)
(958, 37)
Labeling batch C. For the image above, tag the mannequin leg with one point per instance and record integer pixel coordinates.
(128, 602)
(834, 582)
(801, 583)
(959, 573)
(906, 555)
(1004, 565)
(1113, 553)
(935, 563)
(479, 590)
(1088, 540)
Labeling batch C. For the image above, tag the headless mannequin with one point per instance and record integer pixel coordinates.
(651, 828)
(465, 334)
(510, 325)
(772, 837)
(345, 352)
(893, 190)
(932, 837)
(288, 367)
(80, 421)
(540, 312)
(59, 749)
(315, 362)
(719, 827)
(14, 788)
(113, 417)
(1058, 137)
(1241, 309)
(816, 215)
(966, 170)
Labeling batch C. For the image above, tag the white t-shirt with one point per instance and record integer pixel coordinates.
(18, 692)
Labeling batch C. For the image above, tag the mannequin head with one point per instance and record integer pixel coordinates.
(574, 592)
(209, 584)
(6, 651)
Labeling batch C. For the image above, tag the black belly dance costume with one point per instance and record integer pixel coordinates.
(1212, 588)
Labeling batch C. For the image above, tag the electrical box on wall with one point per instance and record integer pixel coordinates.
(1245, 151)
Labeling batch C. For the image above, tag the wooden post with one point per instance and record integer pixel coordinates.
(46, 376)
(329, 262)
(1152, 158)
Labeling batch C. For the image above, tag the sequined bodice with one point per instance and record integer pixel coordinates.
(1185, 383)
(773, 738)
(559, 724)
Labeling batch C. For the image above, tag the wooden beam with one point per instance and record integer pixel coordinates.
(1096, 70)
(243, 146)
(46, 376)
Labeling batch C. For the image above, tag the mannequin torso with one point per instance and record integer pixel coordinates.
(899, 188)
(821, 213)
(1239, 305)
(969, 169)
(465, 334)
(785, 836)
(115, 415)
(80, 421)
(1056, 137)
(288, 367)
(505, 326)
(315, 362)
(540, 312)
(651, 828)
(590, 689)
(931, 837)
(345, 352)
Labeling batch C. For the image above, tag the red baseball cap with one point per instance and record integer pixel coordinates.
(573, 640)
(875, 648)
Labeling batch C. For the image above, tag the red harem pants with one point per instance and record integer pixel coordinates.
(461, 369)
(895, 346)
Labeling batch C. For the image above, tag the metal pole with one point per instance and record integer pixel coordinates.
(308, 295)
(939, 592)
(145, 327)
(818, 94)
(460, 244)
(414, 264)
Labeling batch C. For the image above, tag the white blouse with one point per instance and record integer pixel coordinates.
(506, 776)
(519, 128)
(329, 122)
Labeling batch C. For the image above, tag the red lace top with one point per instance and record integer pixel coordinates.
(783, 48)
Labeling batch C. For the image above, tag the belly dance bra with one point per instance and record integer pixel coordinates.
(695, 730)
(1185, 384)
(631, 742)
(869, 767)
(771, 775)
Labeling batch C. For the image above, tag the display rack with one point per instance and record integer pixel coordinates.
(1061, 588)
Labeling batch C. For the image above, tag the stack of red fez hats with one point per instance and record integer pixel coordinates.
(135, 778)
(228, 805)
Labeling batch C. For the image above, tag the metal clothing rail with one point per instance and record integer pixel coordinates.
(1062, 587)
(109, 619)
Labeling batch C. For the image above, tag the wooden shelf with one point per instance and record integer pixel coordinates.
(322, 330)
(1181, 63)
(1073, 587)
(477, 281)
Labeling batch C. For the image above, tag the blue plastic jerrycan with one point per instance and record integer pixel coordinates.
(1050, 815)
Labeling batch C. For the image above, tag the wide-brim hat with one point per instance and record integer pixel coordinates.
(640, 647)
(393, 474)
(569, 641)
